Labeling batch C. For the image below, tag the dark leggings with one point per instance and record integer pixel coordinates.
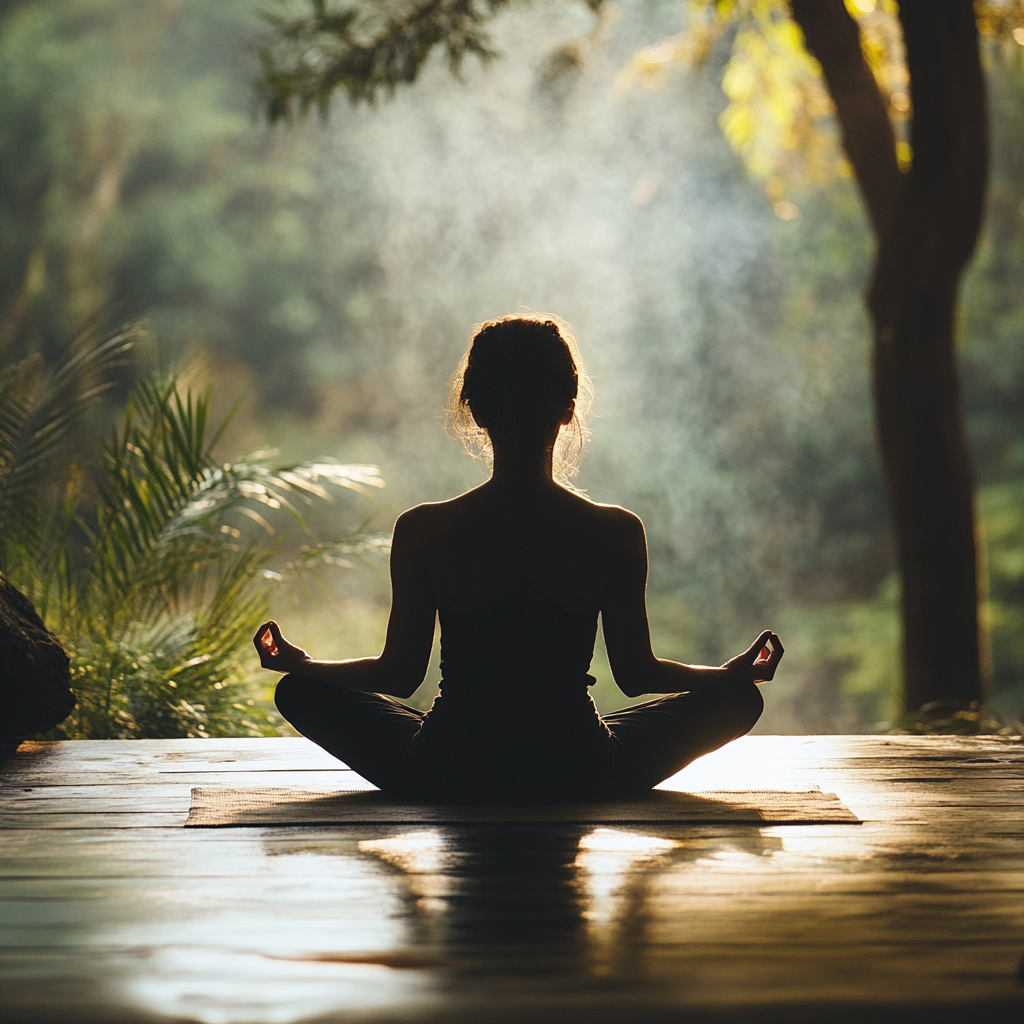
(648, 743)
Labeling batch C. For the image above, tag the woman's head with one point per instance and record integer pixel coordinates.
(522, 387)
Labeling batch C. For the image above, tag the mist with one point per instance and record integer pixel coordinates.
(328, 271)
(621, 209)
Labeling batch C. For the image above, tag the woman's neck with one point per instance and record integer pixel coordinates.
(506, 468)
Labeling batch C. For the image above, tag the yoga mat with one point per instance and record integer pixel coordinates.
(222, 807)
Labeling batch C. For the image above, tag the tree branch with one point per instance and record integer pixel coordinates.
(833, 37)
(353, 50)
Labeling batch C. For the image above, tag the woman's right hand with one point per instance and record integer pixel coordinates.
(276, 653)
(757, 664)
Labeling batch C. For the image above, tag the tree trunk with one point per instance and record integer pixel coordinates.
(926, 224)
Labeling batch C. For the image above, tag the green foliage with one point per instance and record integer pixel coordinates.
(843, 672)
(779, 115)
(368, 50)
(134, 173)
(1002, 517)
(941, 718)
(778, 104)
(134, 170)
(41, 409)
(853, 648)
(156, 574)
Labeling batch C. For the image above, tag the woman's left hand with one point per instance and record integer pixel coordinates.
(757, 664)
(276, 653)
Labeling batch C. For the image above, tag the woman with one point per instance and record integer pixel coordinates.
(518, 570)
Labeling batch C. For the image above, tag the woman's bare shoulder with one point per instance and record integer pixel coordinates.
(615, 516)
(431, 514)
(612, 523)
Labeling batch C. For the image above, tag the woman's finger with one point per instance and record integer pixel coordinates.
(766, 669)
(755, 648)
(269, 642)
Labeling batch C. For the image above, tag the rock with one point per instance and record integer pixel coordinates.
(34, 669)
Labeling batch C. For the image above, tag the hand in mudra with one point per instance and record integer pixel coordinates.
(757, 664)
(276, 653)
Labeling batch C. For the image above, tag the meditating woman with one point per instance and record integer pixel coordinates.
(518, 570)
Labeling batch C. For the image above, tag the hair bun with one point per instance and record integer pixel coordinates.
(518, 377)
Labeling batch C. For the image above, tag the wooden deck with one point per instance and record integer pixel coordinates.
(111, 911)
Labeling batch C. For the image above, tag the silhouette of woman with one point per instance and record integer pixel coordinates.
(518, 570)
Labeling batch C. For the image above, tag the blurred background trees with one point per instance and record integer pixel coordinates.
(329, 271)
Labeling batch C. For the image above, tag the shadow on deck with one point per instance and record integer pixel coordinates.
(113, 911)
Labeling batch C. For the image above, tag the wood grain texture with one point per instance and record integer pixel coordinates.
(111, 910)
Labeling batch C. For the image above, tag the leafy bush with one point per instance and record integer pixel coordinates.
(148, 557)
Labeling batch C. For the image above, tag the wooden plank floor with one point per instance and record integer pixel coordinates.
(111, 911)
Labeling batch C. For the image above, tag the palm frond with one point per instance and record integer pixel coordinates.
(19, 388)
(166, 502)
(157, 607)
(40, 412)
(360, 549)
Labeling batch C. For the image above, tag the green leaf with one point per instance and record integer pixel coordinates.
(41, 411)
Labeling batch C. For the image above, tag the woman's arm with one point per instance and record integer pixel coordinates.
(401, 666)
(627, 632)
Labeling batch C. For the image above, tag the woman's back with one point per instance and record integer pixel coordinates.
(519, 572)
(514, 707)
(482, 544)
(521, 643)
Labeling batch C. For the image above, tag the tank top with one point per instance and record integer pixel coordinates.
(514, 708)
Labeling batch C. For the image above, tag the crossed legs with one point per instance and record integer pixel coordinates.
(650, 742)
(370, 733)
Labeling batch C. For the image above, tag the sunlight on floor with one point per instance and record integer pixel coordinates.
(344, 923)
(415, 852)
(738, 765)
(321, 934)
(421, 856)
(220, 986)
(605, 858)
(823, 843)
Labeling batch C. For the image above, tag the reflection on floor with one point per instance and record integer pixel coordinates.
(111, 911)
